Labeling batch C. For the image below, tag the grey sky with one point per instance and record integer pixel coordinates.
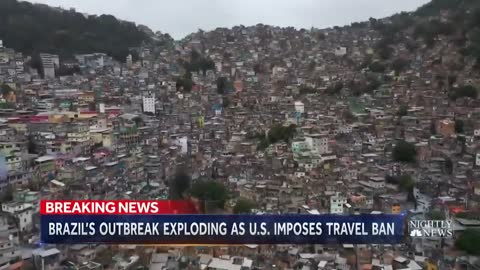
(182, 17)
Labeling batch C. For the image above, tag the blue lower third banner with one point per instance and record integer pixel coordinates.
(223, 229)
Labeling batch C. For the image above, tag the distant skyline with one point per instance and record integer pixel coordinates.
(182, 17)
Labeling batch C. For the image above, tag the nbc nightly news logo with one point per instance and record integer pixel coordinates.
(430, 228)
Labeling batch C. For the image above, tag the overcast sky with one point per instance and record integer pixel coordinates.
(182, 17)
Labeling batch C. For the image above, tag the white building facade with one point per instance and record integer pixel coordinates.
(337, 203)
(148, 101)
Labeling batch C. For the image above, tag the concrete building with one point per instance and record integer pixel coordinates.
(48, 65)
(299, 107)
(148, 101)
(337, 203)
(129, 60)
(22, 211)
(318, 143)
(46, 259)
(182, 142)
(340, 51)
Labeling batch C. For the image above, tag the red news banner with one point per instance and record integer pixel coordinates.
(119, 207)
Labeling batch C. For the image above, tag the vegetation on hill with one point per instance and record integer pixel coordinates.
(436, 215)
(198, 63)
(468, 241)
(32, 28)
(185, 83)
(459, 125)
(212, 193)
(404, 152)
(179, 184)
(464, 91)
(458, 20)
(5, 90)
(403, 110)
(469, 215)
(276, 134)
(223, 85)
(435, 6)
(243, 206)
(305, 89)
(335, 88)
(366, 86)
(404, 182)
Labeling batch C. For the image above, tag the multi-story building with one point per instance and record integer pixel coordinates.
(78, 134)
(48, 64)
(337, 203)
(22, 212)
(129, 60)
(148, 101)
(318, 143)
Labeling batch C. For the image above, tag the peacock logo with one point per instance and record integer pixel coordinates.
(416, 233)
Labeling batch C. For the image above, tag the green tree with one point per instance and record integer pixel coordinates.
(459, 125)
(411, 46)
(403, 110)
(349, 116)
(281, 133)
(138, 121)
(373, 83)
(212, 193)
(258, 68)
(65, 32)
(451, 79)
(404, 152)
(304, 89)
(335, 89)
(435, 6)
(225, 102)
(468, 241)
(384, 50)
(367, 85)
(185, 83)
(358, 24)
(179, 184)
(436, 215)
(31, 145)
(469, 215)
(198, 63)
(448, 166)
(6, 90)
(276, 134)
(406, 183)
(377, 66)
(36, 63)
(433, 130)
(399, 65)
(7, 194)
(223, 85)
(474, 48)
(464, 91)
(243, 206)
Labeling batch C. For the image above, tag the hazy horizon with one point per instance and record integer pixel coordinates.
(182, 17)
